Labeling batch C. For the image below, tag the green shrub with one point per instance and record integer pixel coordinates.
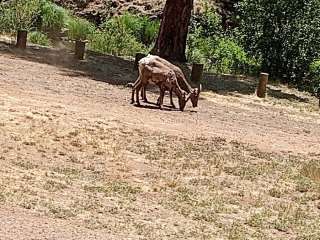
(19, 14)
(140, 27)
(52, 17)
(5, 21)
(115, 42)
(283, 33)
(150, 31)
(120, 36)
(217, 50)
(79, 28)
(315, 75)
(221, 55)
(208, 24)
(39, 38)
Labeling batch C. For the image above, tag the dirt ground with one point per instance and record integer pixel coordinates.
(78, 161)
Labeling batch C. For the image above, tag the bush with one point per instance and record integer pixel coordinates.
(140, 27)
(315, 76)
(18, 14)
(220, 55)
(39, 38)
(208, 24)
(79, 28)
(216, 49)
(52, 17)
(122, 36)
(115, 42)
(284, 34)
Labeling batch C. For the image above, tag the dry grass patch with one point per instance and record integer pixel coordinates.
(153, 185)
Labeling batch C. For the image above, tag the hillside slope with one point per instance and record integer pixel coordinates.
(97, 10)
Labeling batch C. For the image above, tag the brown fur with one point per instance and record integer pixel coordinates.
(156, 73)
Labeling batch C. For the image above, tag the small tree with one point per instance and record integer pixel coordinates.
(285, 34)
(19, 14)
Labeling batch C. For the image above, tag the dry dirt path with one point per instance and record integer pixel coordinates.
(249, 120)
(35, 91)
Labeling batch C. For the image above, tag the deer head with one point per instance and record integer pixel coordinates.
(182, 100)
(194, 95)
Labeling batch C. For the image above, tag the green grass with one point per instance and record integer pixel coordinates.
(39, 38)
(18, 15)
(115, 42)
(52, 17)
(79, 28)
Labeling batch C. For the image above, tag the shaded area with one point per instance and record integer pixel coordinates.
(118, 71)
(289, 96)
(105, 68)
(227, 84)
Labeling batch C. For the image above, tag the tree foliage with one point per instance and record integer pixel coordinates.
(315, 76)
(217, 49)
(285, 34)
(18, 14)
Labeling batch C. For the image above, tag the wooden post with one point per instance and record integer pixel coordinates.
(139, 56)
(197, 72)
(318, 95)
(262, 87)
(22, 39)
(79, 50)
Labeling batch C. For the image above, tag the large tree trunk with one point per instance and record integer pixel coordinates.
(172, 38)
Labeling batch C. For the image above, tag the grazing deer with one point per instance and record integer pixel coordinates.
(160, 75)
(193, 93)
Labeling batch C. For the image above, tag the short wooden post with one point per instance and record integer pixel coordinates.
(22, 39)
(318, 95)
(80, 48)
(197, 72)
(139, 56)
(262, 87)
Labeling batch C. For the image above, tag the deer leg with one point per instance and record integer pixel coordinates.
(134, 87)
(144, 94)
(162, 91)
(139, 86)
(158, 101)
(171, 99)
(132, 96)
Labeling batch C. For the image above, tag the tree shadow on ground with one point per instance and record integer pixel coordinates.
(225, 84)
(288, 96)
(118, 71)
(99, 67)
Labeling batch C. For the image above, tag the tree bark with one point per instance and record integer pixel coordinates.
(172, 38)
